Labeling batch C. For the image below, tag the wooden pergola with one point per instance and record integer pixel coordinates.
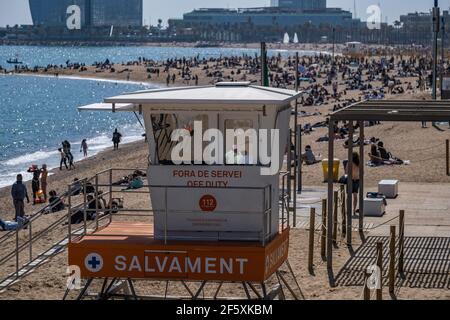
(392, 111)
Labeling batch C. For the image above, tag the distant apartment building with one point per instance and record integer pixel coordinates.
(94, 13)
(417, 27)
(302, 4)
(283, 17)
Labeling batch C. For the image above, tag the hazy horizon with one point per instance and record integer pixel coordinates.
(17, 11)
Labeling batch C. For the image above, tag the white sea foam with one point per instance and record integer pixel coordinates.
(10, 168)
(30, 158)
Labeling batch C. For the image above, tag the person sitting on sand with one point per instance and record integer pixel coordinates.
(91, 213)
(308, 157)
(375, 157)
(135, 183)
(387, 156)
(55, 202)
(13, 225)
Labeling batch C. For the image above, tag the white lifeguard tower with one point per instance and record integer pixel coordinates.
(225, 216)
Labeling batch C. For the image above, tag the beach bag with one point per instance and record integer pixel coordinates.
(343, 180)
(89, 188)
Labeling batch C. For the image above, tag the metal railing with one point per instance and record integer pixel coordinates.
(27, 228)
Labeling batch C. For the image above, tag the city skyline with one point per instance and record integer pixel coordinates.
(17, 12)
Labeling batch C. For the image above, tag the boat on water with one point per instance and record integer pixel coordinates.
(14, 61)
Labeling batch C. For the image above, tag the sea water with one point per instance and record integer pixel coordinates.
(57, 55)
(38, 113)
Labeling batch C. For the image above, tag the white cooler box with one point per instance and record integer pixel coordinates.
(374, 207)
(389, 188)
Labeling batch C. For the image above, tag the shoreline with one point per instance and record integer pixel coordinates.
(55, 169)
(199, 45)
(82, 164)
(50, 153)
(87, 78)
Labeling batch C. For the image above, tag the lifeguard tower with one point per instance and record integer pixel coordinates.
(211, 221)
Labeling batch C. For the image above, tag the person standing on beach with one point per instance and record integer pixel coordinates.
(67, 151)
(63, 159)
(35, 184)
(117, 137)
(44, 176)
(18, 194)
(84, 148)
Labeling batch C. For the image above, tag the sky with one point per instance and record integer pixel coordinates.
(17, 11)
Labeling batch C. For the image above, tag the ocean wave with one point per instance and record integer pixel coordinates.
(10, 168)
(29, 158)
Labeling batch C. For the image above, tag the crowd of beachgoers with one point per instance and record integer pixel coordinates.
(333, 82)
(329, 84)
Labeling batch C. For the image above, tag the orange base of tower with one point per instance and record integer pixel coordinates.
(129, 250)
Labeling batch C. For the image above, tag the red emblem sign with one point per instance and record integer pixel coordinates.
(208, 203)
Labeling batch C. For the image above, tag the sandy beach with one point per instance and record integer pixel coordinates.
(424, 148)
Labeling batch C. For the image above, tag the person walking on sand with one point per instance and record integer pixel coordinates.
(84, 148)
(18, 194)
(117, 137)
(69, 156)
(44, 176)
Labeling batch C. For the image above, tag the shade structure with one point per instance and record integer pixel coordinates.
(395, 110)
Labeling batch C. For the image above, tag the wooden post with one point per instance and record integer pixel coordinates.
(392, 260)
(324, 229)
(447, 157)
(366, 288)
(300, 162)
(380, 268)
(330, 195)
(335, 216)
(343, 213)
(312, 224)
(401, 235)
(294, 189)
(350, 183)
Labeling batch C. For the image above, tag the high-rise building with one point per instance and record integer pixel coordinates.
(117, 12)
(53, 13)
(303, 4)
(95, 13)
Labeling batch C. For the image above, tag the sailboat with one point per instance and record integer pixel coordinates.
(296, 38)
(286, 38)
